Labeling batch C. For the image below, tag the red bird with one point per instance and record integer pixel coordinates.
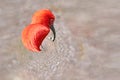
(34, 34)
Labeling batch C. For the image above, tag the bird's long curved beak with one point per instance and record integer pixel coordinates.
(53, 30)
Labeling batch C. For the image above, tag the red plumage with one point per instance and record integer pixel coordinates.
(34, 34)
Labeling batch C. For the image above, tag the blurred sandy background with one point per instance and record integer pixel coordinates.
(87, 46)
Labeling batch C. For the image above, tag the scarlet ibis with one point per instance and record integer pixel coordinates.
(34, 34)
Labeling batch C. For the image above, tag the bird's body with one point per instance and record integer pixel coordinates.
(34, 34)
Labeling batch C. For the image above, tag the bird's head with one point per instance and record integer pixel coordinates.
(46, 18)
